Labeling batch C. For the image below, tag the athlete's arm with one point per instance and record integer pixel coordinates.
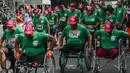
(17, 46)
(90, 41)
(51, 39)
(1, 42)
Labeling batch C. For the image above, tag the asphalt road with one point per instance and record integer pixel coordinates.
(72, 62)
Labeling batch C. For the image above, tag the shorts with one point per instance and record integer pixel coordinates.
(8, 52)
(61, 28)
(128, 30)
(76, 48)
(10, 56)
(31, 59)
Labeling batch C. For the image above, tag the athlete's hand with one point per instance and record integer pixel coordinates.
(17, 55)
(49, 54)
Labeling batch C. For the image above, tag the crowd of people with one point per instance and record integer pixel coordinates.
(77, 24)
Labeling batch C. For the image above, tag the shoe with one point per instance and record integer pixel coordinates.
(4, 71)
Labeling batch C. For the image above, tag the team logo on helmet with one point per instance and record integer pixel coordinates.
(107, 26)
(72, 19)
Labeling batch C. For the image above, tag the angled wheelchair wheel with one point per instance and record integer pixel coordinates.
(87, 58)
(62, 61)
(49, 65)
(122, 58)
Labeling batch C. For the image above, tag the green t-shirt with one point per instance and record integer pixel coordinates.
(110, 41)
(52, 20)
(82, 13)
(112, 19)
(118, 12)
(75, 36)
(35, 45)
(10, 37)
(102, 14)
(75, 13)
(63, 17)
(90, 20)
(96, 12)
(40, 24)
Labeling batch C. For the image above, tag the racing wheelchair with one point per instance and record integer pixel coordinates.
(47, 64)
(82, 55)
(121, 58)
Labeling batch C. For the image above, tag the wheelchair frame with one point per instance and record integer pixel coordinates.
(121, 58)
(87, 58)
(29, 66)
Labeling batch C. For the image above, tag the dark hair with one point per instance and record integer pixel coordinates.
(110, 8)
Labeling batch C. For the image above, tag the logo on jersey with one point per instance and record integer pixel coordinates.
(65, 14)
(35, 43)
(113, 38)
(92, 19)
(39, 27)
(42, 21)
(63, 18)
(120, 11)
(74, 33)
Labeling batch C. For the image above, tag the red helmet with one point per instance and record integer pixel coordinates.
(37, 11)
(80, 6)
(89, 8)
(108, 26)
(10, 23)
(49, 10)
(73, 20)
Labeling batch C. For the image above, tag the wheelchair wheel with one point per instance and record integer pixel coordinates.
(123, 64)
(95, 66)
(49, 65)
(87, 58)
(62, 61)
(123, 68)
(122, 58)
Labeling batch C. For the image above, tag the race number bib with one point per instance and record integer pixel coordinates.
(63, 19)
(74, 33)
(113, 38)
(91, 30)
(35, 43)
(51, 22)
(11, 42)
(39, 27)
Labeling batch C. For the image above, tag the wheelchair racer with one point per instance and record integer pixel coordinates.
(75, 35)
(109, 40)
(33, 43)
(8, 40)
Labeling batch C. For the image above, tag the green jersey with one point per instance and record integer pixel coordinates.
(63, 17)
(112, 19)
(10, 37)
(52, 20)
(75, 13)
(34, 46)
(75, 36)
(119, 12)
(90, 20)
(110, 41)
(41, 24)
